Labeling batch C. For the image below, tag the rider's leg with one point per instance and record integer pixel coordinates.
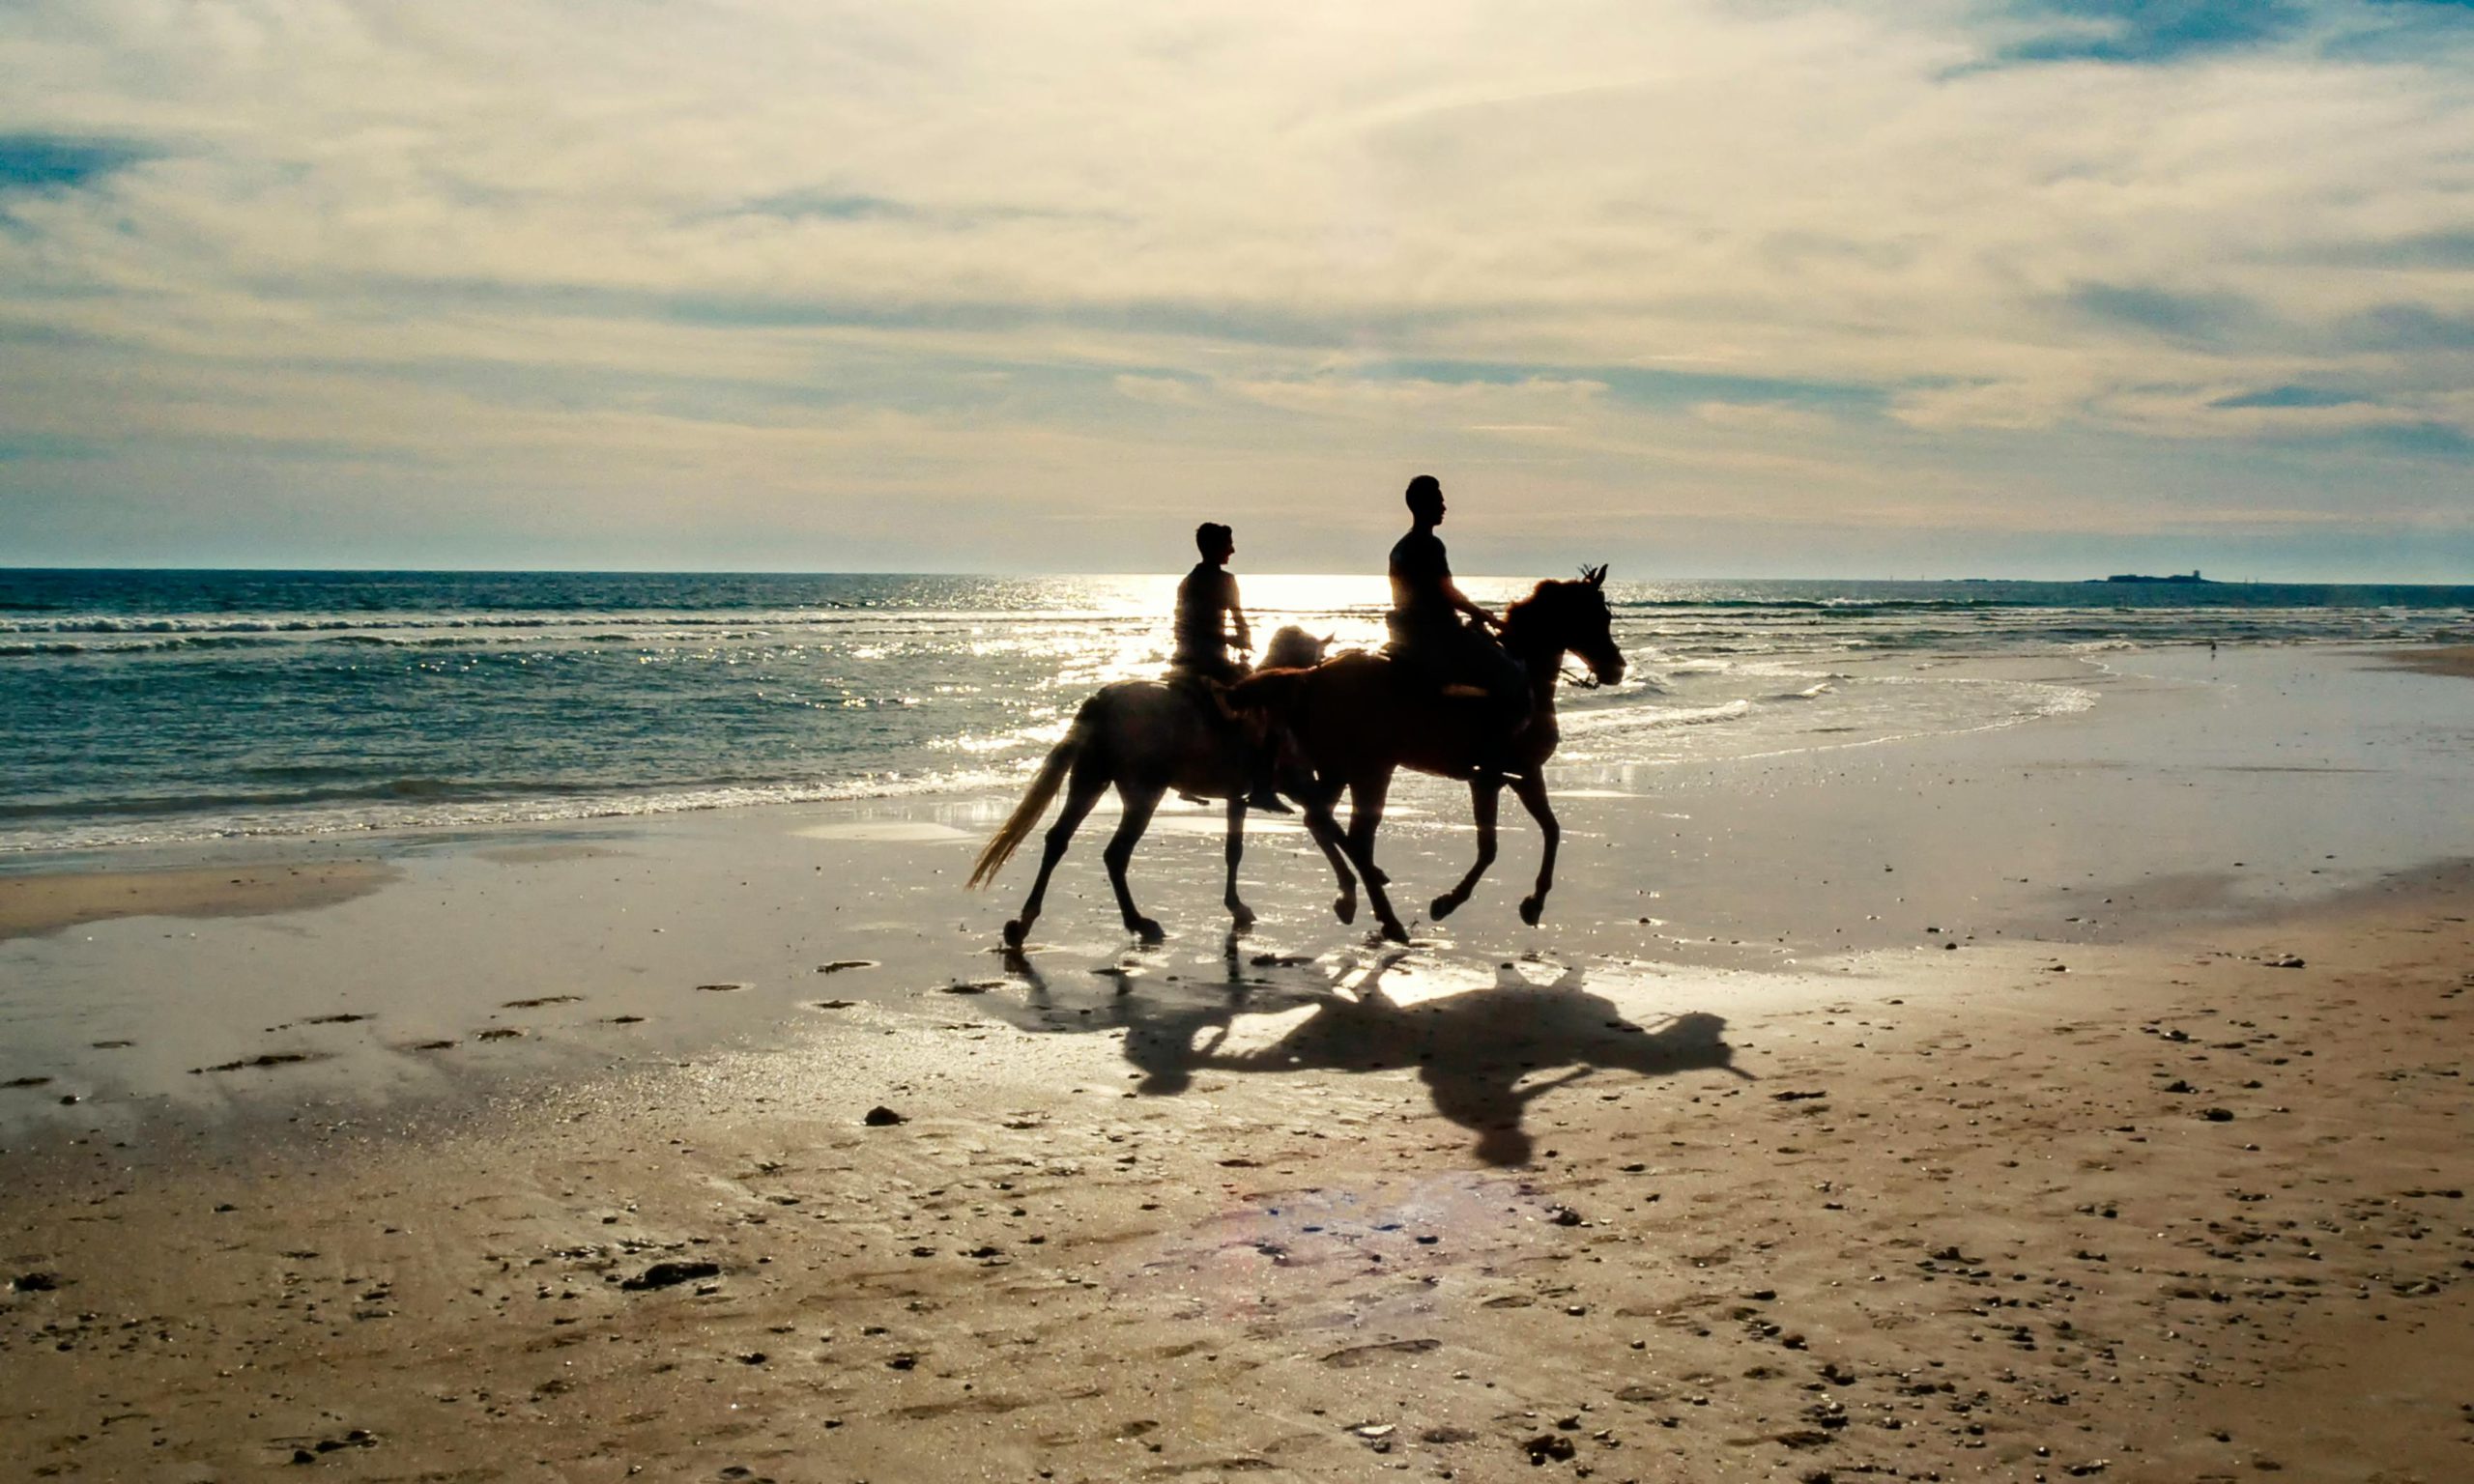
(1483, 663)
(1262, 761)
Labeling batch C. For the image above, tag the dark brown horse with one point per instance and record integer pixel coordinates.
(1142, 738)
(1360, 718)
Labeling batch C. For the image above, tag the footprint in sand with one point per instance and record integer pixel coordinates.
(268, 1059)
(538, 1001)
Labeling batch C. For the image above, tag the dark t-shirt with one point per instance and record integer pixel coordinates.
(1419, 572)
(1208, 591)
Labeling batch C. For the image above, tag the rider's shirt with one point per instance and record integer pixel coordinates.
(1419, 572)
(1208, 591)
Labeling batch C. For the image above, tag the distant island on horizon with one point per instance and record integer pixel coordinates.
(2192, 576)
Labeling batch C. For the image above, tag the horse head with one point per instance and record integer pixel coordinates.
(1569, 615)
(1294, 648)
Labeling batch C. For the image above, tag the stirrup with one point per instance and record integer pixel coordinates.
(1269, 802)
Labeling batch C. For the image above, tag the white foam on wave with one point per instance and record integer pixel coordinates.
(1645, 717)
(404, 817)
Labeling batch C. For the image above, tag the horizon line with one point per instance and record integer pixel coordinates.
(653, 571)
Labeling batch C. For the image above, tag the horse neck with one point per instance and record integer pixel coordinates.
(1542, 657)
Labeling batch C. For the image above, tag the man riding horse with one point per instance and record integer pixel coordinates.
(1427, 636)
(1210, 622)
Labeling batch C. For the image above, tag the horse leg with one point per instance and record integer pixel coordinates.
(1080, 794)
(1484, 791)
(1530, 788)
(1366, 812)
(1366, 816)
(1139, 801)
(1242, 914)
(1326, 832)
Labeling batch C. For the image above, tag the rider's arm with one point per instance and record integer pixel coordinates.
(1229, 595)
(1460, 601)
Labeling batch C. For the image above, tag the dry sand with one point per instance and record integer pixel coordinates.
(1852, 1117)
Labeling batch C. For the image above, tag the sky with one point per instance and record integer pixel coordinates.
(1902, 288)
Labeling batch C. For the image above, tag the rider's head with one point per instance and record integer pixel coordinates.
(1216, 542)
(1425, 498)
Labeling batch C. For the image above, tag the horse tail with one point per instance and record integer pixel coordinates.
(1001, 846)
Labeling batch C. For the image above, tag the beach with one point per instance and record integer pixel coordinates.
(2074, 1096)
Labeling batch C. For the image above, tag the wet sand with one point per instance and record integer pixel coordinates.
(2452, 660)
(1959, 1110)
(34, 905)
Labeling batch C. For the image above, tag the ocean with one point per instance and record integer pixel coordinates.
(145, 706)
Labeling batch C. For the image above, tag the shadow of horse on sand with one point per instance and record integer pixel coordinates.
(1477, 1052)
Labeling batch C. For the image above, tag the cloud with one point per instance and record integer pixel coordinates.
(1761, 417)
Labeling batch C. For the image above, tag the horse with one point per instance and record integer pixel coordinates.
(1142, 738)
(1359, 718)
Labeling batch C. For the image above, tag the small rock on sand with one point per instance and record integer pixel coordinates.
(881, 1115)
(671, 1274)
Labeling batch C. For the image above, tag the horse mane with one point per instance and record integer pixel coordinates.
(1550, 589)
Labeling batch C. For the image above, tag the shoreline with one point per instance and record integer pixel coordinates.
(2196, 792)
(77, 854)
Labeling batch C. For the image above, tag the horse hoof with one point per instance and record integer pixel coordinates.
(1146, 930)
(1344, 908)
(1443, 908)
(1394, 932)
(1242, 914)
(1531, 909)
(1016, 932)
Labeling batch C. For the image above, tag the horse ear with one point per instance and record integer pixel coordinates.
(1595, 576)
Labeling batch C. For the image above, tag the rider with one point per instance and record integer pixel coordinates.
(1425, 620)
(1203, 640)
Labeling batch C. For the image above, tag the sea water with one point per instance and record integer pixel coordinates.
(145, 706)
